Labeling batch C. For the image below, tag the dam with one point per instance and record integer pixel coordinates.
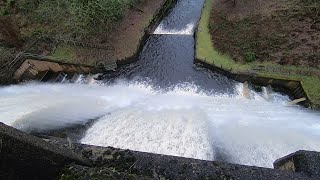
(164, 103)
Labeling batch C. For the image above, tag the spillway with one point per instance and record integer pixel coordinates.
(165, 104)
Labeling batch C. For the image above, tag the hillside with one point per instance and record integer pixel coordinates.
(286, 32)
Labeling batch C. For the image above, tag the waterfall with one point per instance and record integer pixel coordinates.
(181, 121)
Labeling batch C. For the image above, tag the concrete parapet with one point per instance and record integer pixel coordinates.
(307, 162)
(23, 156)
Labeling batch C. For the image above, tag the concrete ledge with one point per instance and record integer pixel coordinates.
(307, 162)
(156, 166)
(294, 88)
(23, 156)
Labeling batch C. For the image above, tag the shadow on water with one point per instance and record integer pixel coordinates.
(74, 132)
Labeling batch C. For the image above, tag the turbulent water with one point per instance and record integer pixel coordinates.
(181, 121)
(165, 104)
(182, 19)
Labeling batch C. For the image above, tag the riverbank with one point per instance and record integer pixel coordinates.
(117, 43)
(207, 51)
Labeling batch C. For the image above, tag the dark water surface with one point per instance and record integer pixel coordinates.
(167, 60)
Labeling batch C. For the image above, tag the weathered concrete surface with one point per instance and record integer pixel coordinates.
(292, 87)
(23, 156)
(307, 162)
(36, 69)
(27, 157)
(147, 165)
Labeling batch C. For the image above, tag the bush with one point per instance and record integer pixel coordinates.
(250, 56)
(91, 13)
(67, 17)
(6, 7)
(25, 6)
(79, 17)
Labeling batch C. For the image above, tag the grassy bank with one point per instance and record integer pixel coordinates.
(74, 18)
(207, 52)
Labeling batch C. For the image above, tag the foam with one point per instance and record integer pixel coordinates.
(182, 121)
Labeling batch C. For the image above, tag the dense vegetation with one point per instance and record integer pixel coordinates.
(75, 18)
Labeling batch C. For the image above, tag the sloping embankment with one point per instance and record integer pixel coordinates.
(206, 52)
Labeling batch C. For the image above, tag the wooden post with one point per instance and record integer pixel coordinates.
(296, 101)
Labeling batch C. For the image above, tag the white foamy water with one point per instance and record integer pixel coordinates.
(180, 122)
(188, 30)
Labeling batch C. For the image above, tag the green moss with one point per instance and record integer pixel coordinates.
(65, 52)
(206, 52)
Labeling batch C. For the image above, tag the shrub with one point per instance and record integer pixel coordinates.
(250, 56)
(6, 7)
(25, 6)
(68, 17)
(80, 16)
(90, 13)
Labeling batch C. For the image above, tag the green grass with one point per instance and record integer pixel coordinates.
(72, 18)
(65, 52)
(206, 52)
